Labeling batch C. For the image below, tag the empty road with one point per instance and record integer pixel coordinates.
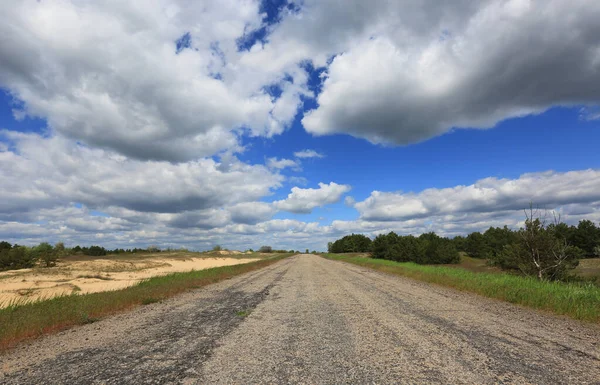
(311, 320)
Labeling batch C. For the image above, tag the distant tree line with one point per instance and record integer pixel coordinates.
(269, 249)
(427, 248)
(21, 257)
(545, 247)
(97, 251)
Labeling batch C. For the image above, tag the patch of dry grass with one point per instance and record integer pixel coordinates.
(588, 268)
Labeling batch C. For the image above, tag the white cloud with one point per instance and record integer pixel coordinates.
(304, 200)
(396, 72)
(407, 71)
(44, 173)
(308, 154)
(491, 195)
(280, 164)
(107, 73)
(349, 201)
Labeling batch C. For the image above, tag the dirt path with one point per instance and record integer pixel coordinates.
(313, 320)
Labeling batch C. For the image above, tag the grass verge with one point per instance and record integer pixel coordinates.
(19, 322)
(579, 301)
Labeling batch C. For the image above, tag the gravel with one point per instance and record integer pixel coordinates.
(311, 320)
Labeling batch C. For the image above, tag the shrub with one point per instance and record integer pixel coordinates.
(46, 253)
(265, 249)
(18, 257)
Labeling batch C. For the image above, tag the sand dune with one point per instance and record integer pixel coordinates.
(95, 276)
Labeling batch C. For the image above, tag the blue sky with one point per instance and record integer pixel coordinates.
(187, 132)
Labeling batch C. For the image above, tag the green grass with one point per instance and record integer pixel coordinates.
(19, 322)
(576, 300)
(243, 313)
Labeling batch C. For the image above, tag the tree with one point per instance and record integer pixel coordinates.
(47, 253)
(539, 251)
(17, 257)
(217, 248)
(97, 251)
(265, 249)
(460, 243)
(428, 248)
(586, 236)
(476, 246)
(435, 249)
(354, 243)
(5, 246)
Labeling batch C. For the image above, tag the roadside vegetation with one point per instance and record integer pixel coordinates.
(577, 300)
(23, 321)
(546, 264)
(545, 248)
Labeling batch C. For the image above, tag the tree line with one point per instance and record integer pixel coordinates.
(16, 256)
(427, 248)
(545, 247)
(22, 257)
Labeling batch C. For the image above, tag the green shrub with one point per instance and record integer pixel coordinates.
(19, 257)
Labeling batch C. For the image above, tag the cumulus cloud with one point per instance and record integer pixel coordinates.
(490, 195)
(251, 212)
(120, 76)
(44, 173)
(117, 75)
(304, 200)
(308, 154)
(419, 69)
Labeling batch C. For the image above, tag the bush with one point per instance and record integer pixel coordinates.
(265, 249)
(47, 253)
(436, 250)
(18, 257)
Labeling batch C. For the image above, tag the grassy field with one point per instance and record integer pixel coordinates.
(588, 268)
(20, 322)
(579, 301)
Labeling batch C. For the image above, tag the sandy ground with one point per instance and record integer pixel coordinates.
(94, 276)
(315, 321)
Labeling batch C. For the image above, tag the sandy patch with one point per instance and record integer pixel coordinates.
(94, 276)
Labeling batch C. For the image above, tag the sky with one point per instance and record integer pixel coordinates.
(245, 123)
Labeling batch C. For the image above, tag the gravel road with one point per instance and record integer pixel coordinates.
(310, 320)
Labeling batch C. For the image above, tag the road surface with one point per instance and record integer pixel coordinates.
(311, 320)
